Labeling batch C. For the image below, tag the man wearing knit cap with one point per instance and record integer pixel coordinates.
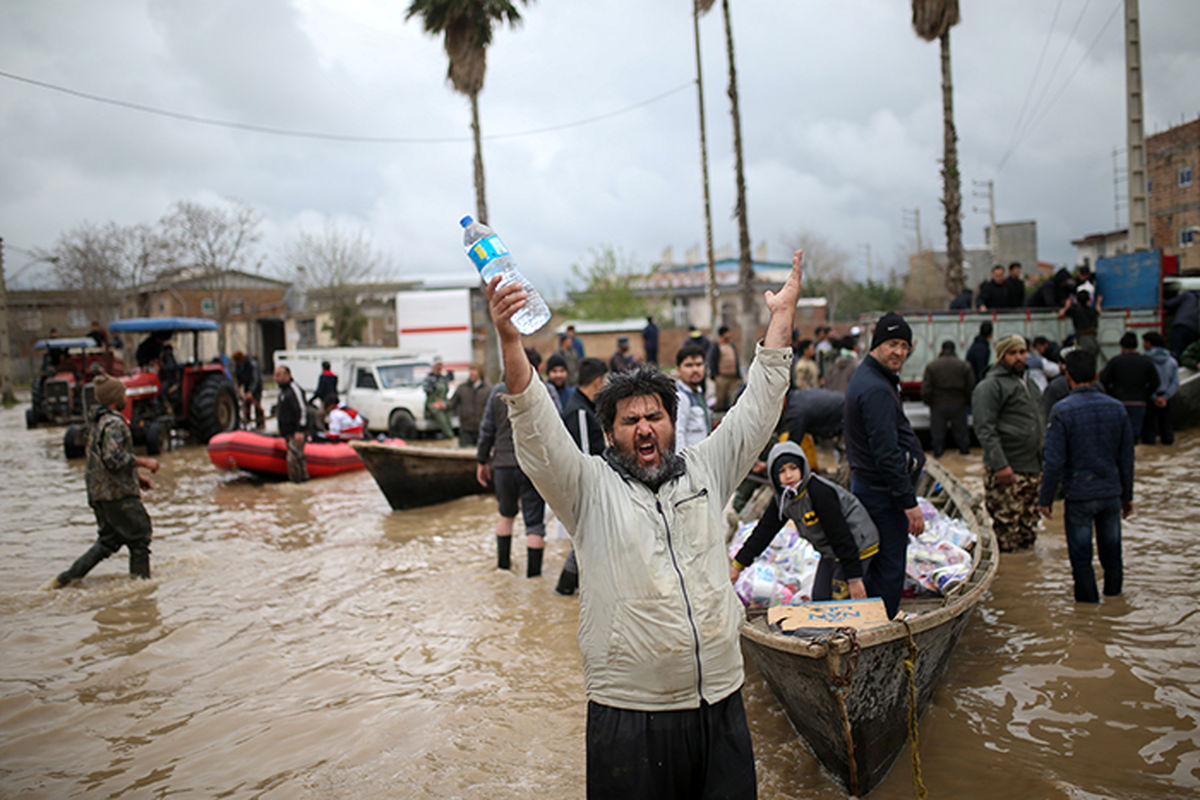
(885, 455)
(114, 486)
(1010, 425)
(557, 381)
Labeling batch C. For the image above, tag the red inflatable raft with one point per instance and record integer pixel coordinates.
(265, 454)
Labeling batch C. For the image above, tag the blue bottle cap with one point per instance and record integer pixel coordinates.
(465, 221)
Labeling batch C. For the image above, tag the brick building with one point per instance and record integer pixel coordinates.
(1172, 164)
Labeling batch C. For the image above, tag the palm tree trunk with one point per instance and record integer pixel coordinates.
(491, 347)
(711, 287)
(749, 316)
(481, 212)
(951, 188)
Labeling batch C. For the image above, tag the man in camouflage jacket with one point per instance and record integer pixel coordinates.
(114, 487)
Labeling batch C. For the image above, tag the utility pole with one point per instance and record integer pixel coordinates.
(1117, 178)
(7, 397)
(912, 219)
(1139, 218)
(867, 247)
(987, 190)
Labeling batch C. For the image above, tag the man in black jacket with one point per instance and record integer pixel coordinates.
(585, 428)
(884, 455)
(980, 351)
(1131, 378)
(993, 293)
(292, 416)
(946, 388)
(1015, 286)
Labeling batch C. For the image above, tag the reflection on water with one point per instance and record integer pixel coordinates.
(307, 641)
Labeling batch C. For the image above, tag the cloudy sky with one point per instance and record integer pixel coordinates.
(590, 116)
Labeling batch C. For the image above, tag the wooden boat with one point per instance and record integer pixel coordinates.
(856, 732)
(1185, 406)
(264, 454)
(412, 476)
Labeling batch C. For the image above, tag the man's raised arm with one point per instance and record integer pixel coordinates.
(782, 305)
(503, 303)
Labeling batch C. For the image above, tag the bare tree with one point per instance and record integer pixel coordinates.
(824, 269)
(87, 261)
(335, 262)
(211, 241)
(143, 253)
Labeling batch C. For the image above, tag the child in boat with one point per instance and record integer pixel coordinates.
(825, 514)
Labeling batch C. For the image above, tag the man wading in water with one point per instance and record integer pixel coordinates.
(658, 617)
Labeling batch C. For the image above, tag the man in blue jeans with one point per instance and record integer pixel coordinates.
(1089, 449)
(884, 455)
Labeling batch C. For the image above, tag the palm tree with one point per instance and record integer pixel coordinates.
(467, 27)
(700, 8)
(749, 315)
(933, 19)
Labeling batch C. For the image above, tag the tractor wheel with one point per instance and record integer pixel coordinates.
(75, 441)
(158, 437)
(37, 401)
(30, 418)
(214, 409)
(401, 425)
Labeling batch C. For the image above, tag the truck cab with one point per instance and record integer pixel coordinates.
(384, 386)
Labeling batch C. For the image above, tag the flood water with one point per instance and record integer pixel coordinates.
(306, 641)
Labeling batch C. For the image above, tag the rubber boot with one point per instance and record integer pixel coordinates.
(139, 563)
(533, 561)
(568, 581)
(83, 565)
(503, 552)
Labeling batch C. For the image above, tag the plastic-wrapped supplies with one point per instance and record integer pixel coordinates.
(936, 565)
(937, 561)
(782, 575)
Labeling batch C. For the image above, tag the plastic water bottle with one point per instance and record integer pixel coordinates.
(492, 258)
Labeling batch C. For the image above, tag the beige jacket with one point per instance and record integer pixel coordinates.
(658, 618)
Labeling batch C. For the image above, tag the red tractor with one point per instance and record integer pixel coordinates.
(61, 390)
(163, 395)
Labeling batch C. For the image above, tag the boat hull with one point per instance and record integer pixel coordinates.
(263, 454)
(800, 671)
(412, 476)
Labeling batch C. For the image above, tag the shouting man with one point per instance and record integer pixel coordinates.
(658, 618)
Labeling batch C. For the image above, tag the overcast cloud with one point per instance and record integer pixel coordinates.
(841, 113)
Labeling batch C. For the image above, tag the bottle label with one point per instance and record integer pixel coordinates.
(485, 250)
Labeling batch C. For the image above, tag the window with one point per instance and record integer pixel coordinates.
(208, 306)
(77, 318)
(306, 333)
(1185, 176)
(365, 380)
(1150, 186)
(679, 312)
(1187, 236)
(237, 307)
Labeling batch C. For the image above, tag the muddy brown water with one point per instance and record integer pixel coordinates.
(306, 641)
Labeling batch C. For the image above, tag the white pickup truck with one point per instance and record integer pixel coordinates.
(383, 385)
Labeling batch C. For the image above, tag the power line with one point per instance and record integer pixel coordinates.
(1033, 81)
(1046, 109)
(334, 137)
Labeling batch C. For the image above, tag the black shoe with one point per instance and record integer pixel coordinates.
(567, 583)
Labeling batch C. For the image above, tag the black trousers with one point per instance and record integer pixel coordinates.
(1157, 425)
(696, 754)
(956, 415)
(120, 522)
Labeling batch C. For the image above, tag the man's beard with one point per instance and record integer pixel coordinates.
(654, 476)
(1017, 369)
